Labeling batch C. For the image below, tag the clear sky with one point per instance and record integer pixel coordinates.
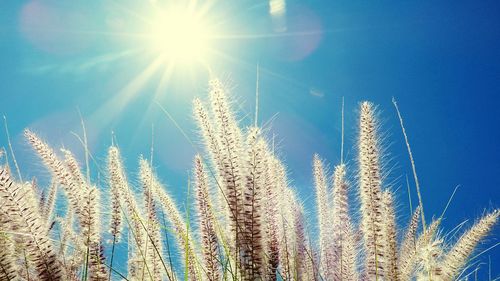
(439, 59)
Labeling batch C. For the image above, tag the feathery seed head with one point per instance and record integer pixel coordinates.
(408, 252)
(370, 192)
(456, 258)
(206, 221)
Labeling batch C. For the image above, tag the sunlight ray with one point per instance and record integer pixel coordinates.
(117, 103)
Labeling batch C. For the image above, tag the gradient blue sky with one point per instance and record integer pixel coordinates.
(440, 59)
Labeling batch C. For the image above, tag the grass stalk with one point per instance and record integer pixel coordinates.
(414, 169)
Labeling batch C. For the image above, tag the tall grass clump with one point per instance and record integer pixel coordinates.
(248, 221)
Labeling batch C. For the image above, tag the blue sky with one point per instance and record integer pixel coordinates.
(440, 59)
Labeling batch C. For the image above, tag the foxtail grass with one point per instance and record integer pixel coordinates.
(249, 221)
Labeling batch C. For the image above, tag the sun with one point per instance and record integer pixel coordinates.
(180, 34)
(174, 42)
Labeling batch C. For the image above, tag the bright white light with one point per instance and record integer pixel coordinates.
(180, 34)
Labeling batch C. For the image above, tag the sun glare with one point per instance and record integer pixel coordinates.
(180, 34)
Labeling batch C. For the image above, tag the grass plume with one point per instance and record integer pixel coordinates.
(250, 222)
